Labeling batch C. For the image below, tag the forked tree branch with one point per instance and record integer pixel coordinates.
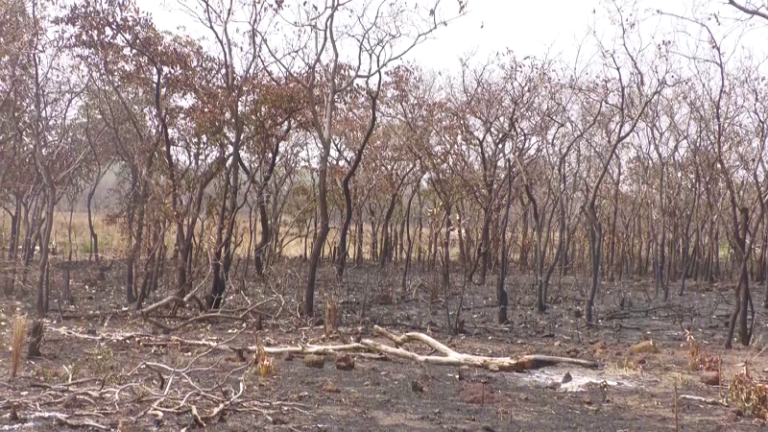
(745, 8)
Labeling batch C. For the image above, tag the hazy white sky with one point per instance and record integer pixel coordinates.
(527, 27)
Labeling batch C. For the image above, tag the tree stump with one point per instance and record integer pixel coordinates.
(36, 339)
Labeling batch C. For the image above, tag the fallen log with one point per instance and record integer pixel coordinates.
(453, 358)
(449, 356)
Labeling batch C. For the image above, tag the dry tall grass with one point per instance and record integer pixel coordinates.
(113, 243)
(18, 336)
(331, 321)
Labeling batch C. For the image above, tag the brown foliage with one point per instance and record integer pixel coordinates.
(748, 395)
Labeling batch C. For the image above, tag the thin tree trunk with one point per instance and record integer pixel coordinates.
(10, 282)
(612, 246)
(67, 291)
(501, 290)
(94, 237)
(322, 233)
(359, 237)
(386, 246)
(44, 251)
(409, 239)
(265, 235)
(595, 246)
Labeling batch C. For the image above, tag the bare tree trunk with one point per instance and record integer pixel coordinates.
(558, 248)
(359, 237)
(409, 238)
(251, 236)
(401, 246)
(265, 235)
(463, 254)
(341, 259)
(742, 254)
(686, 264)
(612, 246)
(94, 237)
(661, 246)
(501, 290)
(225, 231)
(420, 230)
(524, 242)
(135, 252)
(446, 270)
(373, 249)
(485, 239)
(386, 246)
(10, 281)
(322, 233)
(595, 249)
(151, 266)
(67, 275)
(44, 250)
(537, 229)
(217, 281)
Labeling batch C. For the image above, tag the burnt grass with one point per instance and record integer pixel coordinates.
(379, 394)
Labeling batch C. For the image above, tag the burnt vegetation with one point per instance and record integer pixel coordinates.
(184, 212)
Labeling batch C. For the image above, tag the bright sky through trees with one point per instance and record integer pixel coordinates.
(529, 28)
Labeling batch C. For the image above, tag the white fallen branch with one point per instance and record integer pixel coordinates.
(449, 357)
(301, 349)
(113, 337)
(708, 401)
(453, 358)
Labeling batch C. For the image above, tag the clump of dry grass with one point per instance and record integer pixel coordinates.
(694, 350)
(331, 317)
(266, 364)
(748, 395)
(698, 360)
(18, 336)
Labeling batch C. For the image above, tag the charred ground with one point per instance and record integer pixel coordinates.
(97, 348)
